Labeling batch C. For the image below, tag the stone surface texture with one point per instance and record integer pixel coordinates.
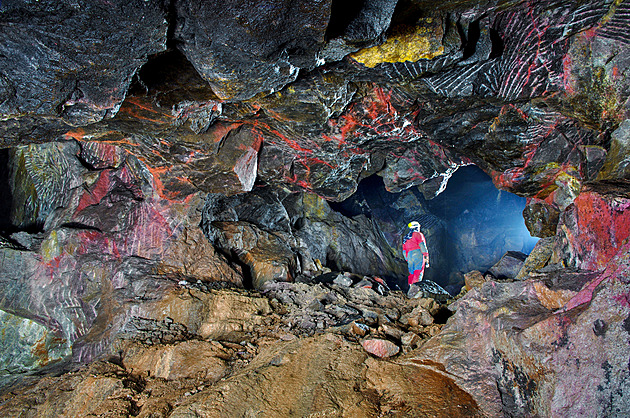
(168, 172)
(554, 346)
(203, 351)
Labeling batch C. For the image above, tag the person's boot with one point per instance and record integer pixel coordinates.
(413, 291)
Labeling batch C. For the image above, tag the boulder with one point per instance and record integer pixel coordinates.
(241, 50)
(537, 259)
(567, 324)
(267, 255)
(593, 229)
(418, 317)
(343, 280)
(429, 289)
(474, 279)
(410, 340)
(359, 329)
(541, 218)
(509, 265)
(380, 348)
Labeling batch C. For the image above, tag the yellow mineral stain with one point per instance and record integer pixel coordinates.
(50, 247)
(407, 43)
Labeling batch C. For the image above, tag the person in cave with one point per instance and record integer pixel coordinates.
(416, 254)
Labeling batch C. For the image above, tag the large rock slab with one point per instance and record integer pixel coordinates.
(73, 60)
(199, 359)
(594, 229)
(242, 49)
(617, 164)
(327, 375)
(537, 259)
(519, 346)
(508, 266)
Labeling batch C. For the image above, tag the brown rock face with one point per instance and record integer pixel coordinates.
(474, 279)
(265, 371)
(554, 346)
(201, 360)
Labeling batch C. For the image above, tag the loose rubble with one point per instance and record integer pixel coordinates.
(159, 365)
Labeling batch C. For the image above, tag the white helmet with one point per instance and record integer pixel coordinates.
(414, 225)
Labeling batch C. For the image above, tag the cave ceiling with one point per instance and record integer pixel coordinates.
(220, 96)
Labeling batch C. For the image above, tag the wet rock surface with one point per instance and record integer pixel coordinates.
(509, 265)
(281, 235)
(444, 87)
(71, 63)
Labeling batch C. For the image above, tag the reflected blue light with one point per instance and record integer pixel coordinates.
(469, 226)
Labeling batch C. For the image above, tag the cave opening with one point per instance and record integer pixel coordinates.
(342, 13)
(5, 191)
(469, 226)
(470, 41)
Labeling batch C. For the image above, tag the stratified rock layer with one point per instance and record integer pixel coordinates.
(529, 92)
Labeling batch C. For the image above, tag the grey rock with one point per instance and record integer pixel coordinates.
(429, 289)
(509, 265)
(28, 346)
(343, 280)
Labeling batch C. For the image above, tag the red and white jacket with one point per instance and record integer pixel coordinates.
(415, 241)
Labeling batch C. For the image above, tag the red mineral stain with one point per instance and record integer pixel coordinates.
(96, 193)
(602, 229)
(615, 72)
(77, 134)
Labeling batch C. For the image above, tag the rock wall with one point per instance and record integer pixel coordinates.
(280, 235)
(103, 239)
(554, 345)
(529, 92)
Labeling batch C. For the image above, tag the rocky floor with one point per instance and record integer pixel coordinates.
(293, 349)
(346, 346)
